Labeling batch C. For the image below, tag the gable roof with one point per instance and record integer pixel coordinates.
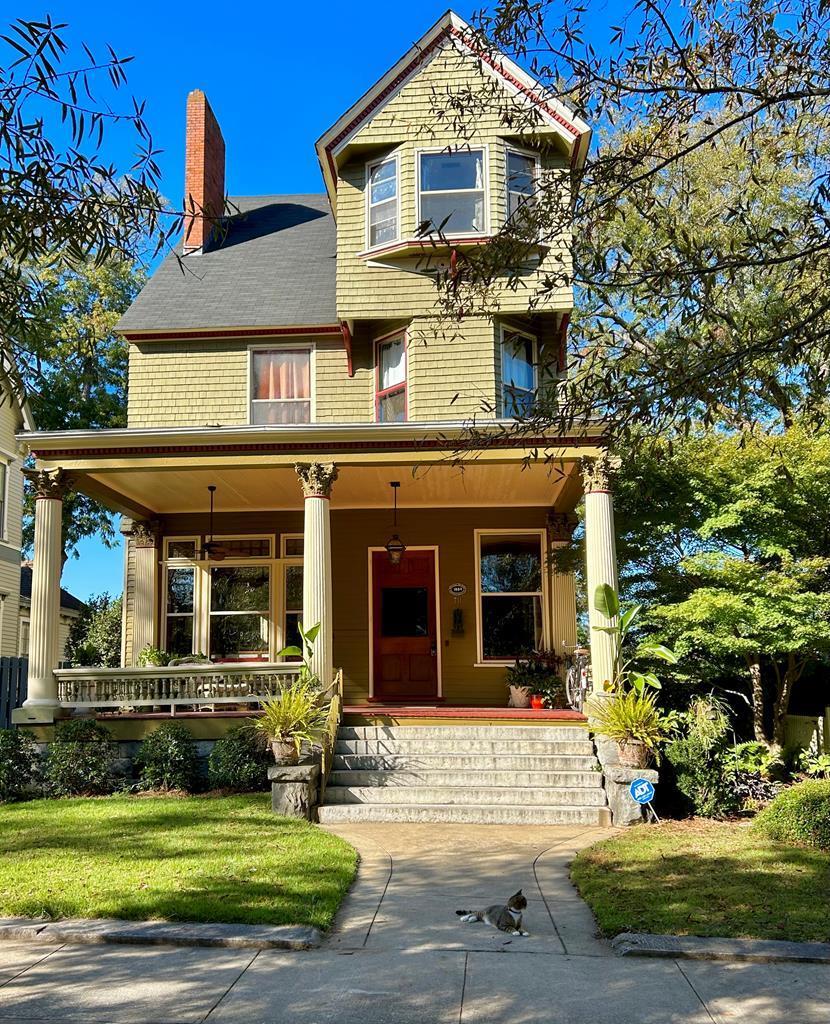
(449, 27)
(274, 267)
(69, 603)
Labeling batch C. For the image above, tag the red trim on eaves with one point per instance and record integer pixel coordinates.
(231, 332)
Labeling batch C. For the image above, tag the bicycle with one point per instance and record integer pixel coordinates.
(578, 678)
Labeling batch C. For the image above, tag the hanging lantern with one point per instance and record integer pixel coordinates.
(395, 547)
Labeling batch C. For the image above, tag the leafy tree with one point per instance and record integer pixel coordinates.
(95, 637)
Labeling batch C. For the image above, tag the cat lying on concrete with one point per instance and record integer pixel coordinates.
(507, 917)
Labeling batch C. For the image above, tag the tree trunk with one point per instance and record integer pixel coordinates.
(753, 662)
(787, 681)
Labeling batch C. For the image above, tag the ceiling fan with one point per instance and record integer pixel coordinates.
(213, 549)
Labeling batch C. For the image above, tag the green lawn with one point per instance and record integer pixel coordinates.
(195, 858)
(705, 878)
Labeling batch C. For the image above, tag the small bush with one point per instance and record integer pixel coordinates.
(701, 777)
(239, 761)
(801, 815)
(168, 759)
(80, 759)
(753, 757)
(18, 763)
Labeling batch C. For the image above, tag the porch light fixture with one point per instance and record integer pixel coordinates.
(211, 549)
(395, 547)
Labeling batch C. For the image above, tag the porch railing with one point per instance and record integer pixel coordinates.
(201, 687)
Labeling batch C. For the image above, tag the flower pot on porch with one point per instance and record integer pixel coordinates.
(519, 697)
(634, 754)
(537, 702)
(284, 751)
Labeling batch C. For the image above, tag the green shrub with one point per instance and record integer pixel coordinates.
(80, 759)
(701, 777)
(18, 763)
(753, 757)
(239, 761)
(801, 814)
(168, 760)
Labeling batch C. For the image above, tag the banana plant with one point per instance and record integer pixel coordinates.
(306, 652)
(626, 676)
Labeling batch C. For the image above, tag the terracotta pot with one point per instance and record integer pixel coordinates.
(519, 697)
(537, 702)
(284, 751)
(634, 754)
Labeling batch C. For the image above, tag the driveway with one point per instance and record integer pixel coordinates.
(399, 955)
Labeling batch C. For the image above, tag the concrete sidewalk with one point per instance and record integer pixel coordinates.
(399, 955)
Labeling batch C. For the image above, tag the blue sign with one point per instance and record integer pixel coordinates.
(642, 791)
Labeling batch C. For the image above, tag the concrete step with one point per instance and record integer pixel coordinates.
(466, 777)
(461, 733)
(481, 814)
(497, 746)
(459, 795)
(463, 761)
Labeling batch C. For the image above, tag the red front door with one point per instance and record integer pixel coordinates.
(405, 641)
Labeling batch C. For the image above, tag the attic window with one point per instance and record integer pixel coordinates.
(383, 202)
(280, 386)
(522, 177)
(452, 189)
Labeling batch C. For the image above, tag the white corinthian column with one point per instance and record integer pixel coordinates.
(316, 479)
(601, 557)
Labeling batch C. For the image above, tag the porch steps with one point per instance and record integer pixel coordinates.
(493, 774)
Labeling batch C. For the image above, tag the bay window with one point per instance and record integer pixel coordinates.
(280, 386)
(452, 190)
(511, 603)
(382, 199)
(390, 399)
(519, 376)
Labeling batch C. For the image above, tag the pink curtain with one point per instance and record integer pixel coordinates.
(281, 374)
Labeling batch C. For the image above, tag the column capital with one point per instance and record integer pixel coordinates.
(596, 473)
(316, 478)
(145, 532)
(561, 526)
(49, 483)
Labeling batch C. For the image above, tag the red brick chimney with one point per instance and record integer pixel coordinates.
(204, 172)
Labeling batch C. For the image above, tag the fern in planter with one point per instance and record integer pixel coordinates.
(634, 721)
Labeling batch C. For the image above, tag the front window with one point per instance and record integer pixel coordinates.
(521, 181)
(180, 608)
(510, 594)
(240, 615)
(452, 192)
(518, 374)
(281, 386)
(391, 381)
(383, 202)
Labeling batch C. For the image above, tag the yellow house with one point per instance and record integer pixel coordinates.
(290, 370)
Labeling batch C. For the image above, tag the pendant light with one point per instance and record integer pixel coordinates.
(211, 549)
(395, 547)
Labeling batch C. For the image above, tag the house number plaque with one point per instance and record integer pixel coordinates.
(458, 589)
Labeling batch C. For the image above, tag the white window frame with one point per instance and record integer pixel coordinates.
(506, 329)
(181, 563)
(312, 375)
(377, 344)
(208, 615)
(485, 151)
(289, 536)
(26, 621)
(269, 537)
(544, 581)
(4, 519)
(370, 166)
(181, 559)
(537, 173)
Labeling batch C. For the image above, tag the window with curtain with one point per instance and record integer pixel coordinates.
(521, 180)
(452, 192)
(179, 609)
(510, 594)
(281, 386)
(518, 374)
(391, 381)
(383, 202)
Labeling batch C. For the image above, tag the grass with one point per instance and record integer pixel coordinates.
(706, 878)
(197, 858)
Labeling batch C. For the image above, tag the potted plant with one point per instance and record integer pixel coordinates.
(534, 680)
(296, 715)
(633, 720)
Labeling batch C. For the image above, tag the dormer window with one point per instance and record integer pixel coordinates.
(519, 362)
(522, 177)
(451, 192)
(382, 189)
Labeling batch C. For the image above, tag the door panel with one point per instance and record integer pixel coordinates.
(405, 641)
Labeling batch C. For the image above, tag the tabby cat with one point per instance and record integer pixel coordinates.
(507, 917)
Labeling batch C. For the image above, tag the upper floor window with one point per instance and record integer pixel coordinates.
(4, 488)
(519, 379)
(522, 176)
(280, 386)
(383, 201)
(452, 190)
(390, 401)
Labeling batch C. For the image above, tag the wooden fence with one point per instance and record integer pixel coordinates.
(13, 675)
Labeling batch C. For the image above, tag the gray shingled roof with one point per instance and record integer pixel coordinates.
(274, 267)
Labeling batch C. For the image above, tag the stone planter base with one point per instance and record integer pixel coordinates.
(294, 790)
(625, 810)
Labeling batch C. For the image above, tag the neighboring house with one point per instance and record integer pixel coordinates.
(70, 610)
(299, 366)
